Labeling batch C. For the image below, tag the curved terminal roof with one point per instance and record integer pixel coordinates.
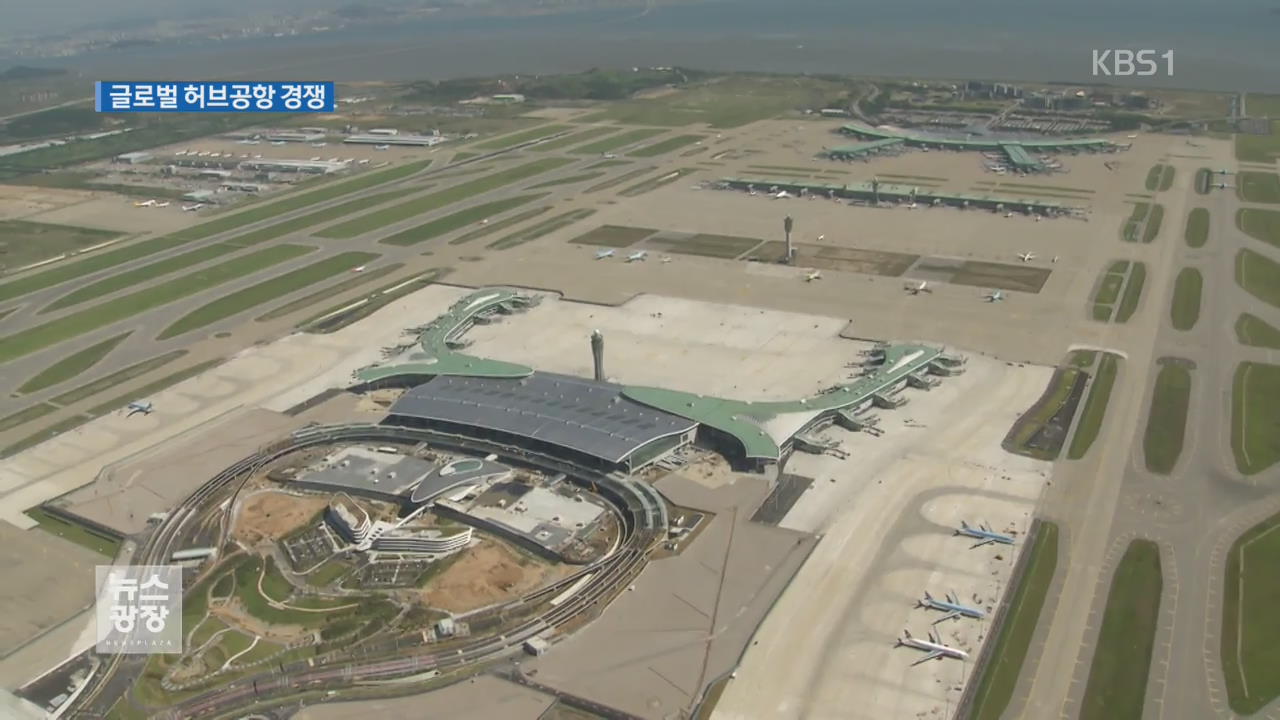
(888, 191)
(438, 358)
(466, 471)
(870, 133)
(763, 427)
(575, 413)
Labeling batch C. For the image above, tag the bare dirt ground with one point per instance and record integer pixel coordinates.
(19, 201)
(489, 573)
(272, 515)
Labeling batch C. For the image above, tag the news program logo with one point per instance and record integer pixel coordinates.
(260, 97)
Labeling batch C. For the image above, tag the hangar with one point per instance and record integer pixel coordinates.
(590, 421)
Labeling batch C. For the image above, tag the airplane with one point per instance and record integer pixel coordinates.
(318, 144)
(813, 275)
(162, 204)
(602, 254)
(638, 255)
(917, 289)
(983, 534)
(315, 159)
(933, 646)
(277, 142)
(192, 208)
(1026, 257)
(609, 156)
(666, 258)
(1223, 186)
(995, 296)
(358, 268)
(381, 147)
(951, 606)
(145, 203)
(139, 406)
(782, 195)
(1222, 172)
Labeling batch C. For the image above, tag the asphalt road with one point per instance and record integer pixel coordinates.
(1109, 498)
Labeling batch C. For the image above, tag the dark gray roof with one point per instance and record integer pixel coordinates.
(584, 415)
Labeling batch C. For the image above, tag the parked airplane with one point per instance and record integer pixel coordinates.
(782, 195)
(666, 258)
(602, 254)
(1026, 257)
(609, 156)
(381, 147)
(145, 203)
(139, 406)
(951, 606)
(358, 268)
(933, 646)
(995, 296)
(983, 534)
(638, 255)
(923, 286)
(1223, 186)
(192, 208)
(813, 275)
(162, 204)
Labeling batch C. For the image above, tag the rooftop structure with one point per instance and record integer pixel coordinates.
(291, 136)
(307, 166)
(880, 192)
(371, 473)
(464, 472)
(865, 132)
(587, 418)
(419, 140)
(537, 517)
(436, 355)
(864, 149)
(764, 429)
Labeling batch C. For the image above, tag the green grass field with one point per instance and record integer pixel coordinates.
(133, 278)
(266, 291)
(1132, 292)
(1166, 178)
(1109, 289)
(546, 227)
(1204, 176)
(1153, 223)
(1117, 683)
(1255, 417)
(523, 136)
(624, 177)
(1250, 626)
(1095, 407)
(90, 319)
(616, 141)
(614, 236)
(326, 322)
(1259, 187)
(78, 534)
(500, 225)
(442, 198)
(1153, 177)
(1260, 224)
(107, 382)
(1054, 399)
(1013, 639)
(72, 365)
(1259, 148)
(23, 243)
(326, 294)
(1253, 331)
(665, 146)
(329, 214)
(1167, 420)
(567, 180)
(724, 102)
(1259, 275)
(25, 415)
(1197, 232)
(575, 139)
(1184, 311)
(1083, 359)
(654, 183)
(458, 220)
(1129, 231)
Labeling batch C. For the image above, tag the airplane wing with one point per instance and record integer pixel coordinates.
(954, 614)
(980, 543)
(933, 655)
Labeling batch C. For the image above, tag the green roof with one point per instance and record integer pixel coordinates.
(437, 358)
(749, 421)
(863, 148)
(1020, 157)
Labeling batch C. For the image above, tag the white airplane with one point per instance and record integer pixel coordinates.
(358, 268)
(315, 159)
(1009, 214)
(162, 204)
(1223, 186)
(277, 142)
(145, 203)
(192, 208)
(638, 255)
(813, 275)
(782, 195)
(139, 406)
(951, 606)
(933, 646)
(318, 144)
(1026, 257)
(995, 296)
(916, 289)
(983, 534)
(602, 254)
(666, 258)
(381, 147)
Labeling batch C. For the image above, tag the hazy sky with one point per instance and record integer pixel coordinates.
(47, 16)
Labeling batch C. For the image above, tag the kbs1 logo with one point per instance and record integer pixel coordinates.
(1130, 63)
